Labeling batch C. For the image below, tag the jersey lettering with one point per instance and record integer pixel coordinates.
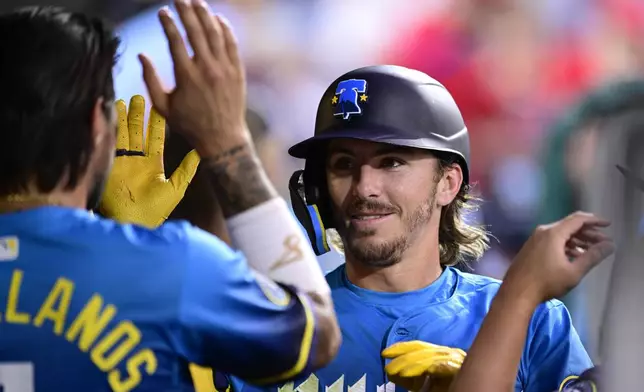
(120, 343)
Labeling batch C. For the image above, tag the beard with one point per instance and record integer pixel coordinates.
(385, 253)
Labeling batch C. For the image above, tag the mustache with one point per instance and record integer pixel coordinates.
(371, 206)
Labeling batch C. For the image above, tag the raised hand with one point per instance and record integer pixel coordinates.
(137, 190)
(557, 256)
(208, 104)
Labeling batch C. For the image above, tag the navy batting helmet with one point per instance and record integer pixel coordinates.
(386, 104)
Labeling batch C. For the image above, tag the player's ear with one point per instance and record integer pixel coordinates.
(103, 122)
(449, 184)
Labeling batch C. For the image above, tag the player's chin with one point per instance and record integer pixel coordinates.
(372, 241)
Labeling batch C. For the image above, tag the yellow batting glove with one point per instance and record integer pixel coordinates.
(412, 363)
(137, 190)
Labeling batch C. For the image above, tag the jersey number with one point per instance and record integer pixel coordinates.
(17, 377)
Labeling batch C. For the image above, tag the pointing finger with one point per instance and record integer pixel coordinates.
(157, 93)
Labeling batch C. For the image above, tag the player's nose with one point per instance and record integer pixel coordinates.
(367, 182)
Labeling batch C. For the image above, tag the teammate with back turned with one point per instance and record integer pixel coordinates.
(388, 169)
(90, 304)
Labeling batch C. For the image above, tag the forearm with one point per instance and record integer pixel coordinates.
(501, 337)
(260, 222)
(238, 179)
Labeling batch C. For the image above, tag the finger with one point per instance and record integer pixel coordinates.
(436, 365)
(156, 91)
(230, 41)
(593, 256)
(122, 135)
(398, 364)
(576, 243)
(591, 236)
(414, 363)
(135, 122)
(156, 134)
(195, 33)
(182, 176)
(212, 30)
(574, 253)
(180, 57)
(401, 348)
(572, 223)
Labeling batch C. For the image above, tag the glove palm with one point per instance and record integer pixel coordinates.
(137, 190)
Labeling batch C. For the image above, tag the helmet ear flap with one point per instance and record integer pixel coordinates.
(307, 212)
(316, 189)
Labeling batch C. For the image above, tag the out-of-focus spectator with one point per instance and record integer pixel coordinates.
(570, 159)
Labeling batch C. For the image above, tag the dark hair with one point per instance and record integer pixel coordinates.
(54, 66)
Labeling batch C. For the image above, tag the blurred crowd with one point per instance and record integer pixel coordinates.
(515, 67)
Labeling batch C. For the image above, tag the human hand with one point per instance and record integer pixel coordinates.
(557, 256)
(137, 190)
(208, 104)
(418, 365)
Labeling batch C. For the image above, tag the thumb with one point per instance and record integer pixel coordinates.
(593, 256)
(159, 97)
(182, 176)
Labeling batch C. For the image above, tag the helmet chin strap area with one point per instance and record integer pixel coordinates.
(308, 214)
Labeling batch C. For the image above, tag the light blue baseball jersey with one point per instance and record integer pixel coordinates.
(92, 305)
(448, 312)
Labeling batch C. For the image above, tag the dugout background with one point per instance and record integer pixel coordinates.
(513, 66)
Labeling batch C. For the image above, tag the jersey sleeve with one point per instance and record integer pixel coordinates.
(240, 322)
(554, 354)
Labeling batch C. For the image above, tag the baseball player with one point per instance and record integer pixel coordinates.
(387, 169)
(90, 304)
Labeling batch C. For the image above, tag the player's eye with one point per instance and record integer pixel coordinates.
(341, 163)
(391, 163)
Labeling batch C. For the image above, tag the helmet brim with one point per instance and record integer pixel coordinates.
(305, 148)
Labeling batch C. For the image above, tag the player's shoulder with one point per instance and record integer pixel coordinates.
(161, 238)
(335, 277)
(177, 235)
(470, 282)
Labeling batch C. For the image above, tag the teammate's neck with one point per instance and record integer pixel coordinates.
(75, 198)
(419, 267)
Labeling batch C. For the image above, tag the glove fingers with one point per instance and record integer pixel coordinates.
(398, 364)
(444, 363)
(122, 133)
(156, 134)
(135, 122)
(441, 366)
(429, 365)
(182, 176)
(401, 348)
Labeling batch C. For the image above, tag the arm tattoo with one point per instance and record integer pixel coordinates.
(239, 180)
